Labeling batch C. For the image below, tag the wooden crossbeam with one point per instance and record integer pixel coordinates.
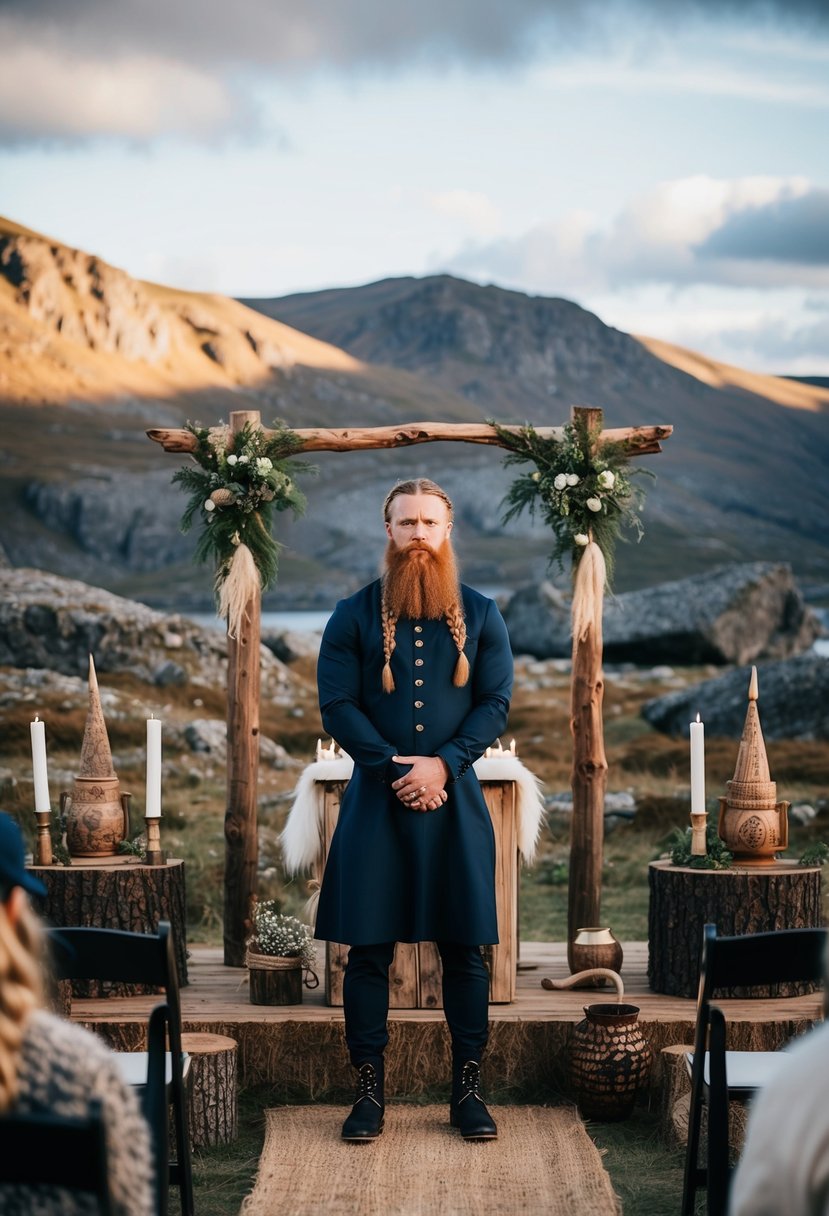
(642, 440)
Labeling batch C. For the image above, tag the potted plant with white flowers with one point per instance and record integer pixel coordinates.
(279, 951)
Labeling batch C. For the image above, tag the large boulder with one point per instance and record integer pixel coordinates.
(56, 623)
(733, 614)
(793, 702)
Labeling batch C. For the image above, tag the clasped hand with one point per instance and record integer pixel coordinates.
(422, 788)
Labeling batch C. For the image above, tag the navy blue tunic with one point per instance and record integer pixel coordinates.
(395, 874)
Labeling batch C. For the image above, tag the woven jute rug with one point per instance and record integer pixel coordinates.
(543, 1162)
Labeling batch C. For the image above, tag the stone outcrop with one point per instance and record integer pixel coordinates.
(734, 614)
(56, 623)
(84, 299)
(793, 704)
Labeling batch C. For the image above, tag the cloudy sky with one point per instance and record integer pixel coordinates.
(662, 162)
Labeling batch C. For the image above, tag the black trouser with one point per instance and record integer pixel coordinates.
(366, 999)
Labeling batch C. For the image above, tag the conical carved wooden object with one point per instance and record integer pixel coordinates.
(753, 824)
(97, 813)
(96, 754)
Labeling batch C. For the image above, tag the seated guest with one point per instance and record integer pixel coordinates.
(49, 1065)
(784, 1167)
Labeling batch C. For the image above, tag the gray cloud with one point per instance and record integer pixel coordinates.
(153, 44)
(787, 230)
(779, 240)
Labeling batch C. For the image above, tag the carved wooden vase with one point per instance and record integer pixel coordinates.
(594, 947)
(609, 1060)
(97, 817)
(96, 812)
(753, 825)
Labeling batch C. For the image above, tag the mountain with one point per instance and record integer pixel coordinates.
(90, 358)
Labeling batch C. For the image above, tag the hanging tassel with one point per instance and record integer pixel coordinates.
(461, 671)
(237, 584)
(588, 594)
(388, 678)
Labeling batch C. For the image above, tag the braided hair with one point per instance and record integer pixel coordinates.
(454, 613)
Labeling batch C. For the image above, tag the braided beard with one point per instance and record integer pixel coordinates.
(420, 583)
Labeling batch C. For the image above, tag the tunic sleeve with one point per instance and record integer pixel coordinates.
(339, 672)
(491, 691)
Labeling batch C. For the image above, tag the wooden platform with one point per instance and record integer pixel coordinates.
(300, 1050)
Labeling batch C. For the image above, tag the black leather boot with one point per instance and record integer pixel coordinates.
(467, 1110)
(366, 1119)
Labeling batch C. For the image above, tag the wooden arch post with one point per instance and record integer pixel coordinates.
(589, 773)
(241, 831)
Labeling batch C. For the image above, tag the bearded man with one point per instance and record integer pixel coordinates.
(415, 677)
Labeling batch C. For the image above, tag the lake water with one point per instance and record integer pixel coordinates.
(299, 622)
(315, 622)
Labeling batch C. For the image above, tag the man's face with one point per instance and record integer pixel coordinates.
(418, 517)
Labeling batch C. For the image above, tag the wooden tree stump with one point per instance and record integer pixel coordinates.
(274, 981)
(738, 901)
(214, 1091)
(116, 893)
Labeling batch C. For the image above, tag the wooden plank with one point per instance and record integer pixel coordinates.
(403, 976)
(218, 994)
(500, 799)
(430, 976)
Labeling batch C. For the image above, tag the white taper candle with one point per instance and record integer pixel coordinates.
(41, 776)
(153, 801)
(697, 767)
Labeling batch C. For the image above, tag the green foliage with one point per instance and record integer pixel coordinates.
(816, 854)
(137, 847)
(717, 856)
(583, 489)
(241, 480)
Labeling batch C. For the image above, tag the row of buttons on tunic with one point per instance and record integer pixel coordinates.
(419, 683)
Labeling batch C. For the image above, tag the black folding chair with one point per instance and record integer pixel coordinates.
(787, 956)
(52, 1150)
(149, 959)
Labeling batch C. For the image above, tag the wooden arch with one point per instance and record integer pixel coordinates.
(589, 771)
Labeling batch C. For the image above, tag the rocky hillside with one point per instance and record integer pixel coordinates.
(89, 358)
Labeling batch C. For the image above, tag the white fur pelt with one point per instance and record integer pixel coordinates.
(302, 842)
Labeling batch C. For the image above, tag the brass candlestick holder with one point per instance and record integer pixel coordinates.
(43, 845)
(154, 855)
(699, 830)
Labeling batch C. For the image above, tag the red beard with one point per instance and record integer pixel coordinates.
(420, 583)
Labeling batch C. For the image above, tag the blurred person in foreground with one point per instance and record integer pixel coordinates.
(784, 1166)
(49, 1066)
(415, 677)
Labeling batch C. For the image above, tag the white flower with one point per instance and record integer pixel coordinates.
(560, 481)
(244, 460)
(594, 504)
(607, 480)
(263, 464)
(581, 538)
(573, 479)
(232, 459)
(536, 476)
(210, 505)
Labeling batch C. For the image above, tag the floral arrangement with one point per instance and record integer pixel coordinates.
(717, 856)
(240, 481)
(582, 488)
(277, 934)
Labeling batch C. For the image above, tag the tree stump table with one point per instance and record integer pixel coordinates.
(115, 893)
(740, 900)
(213, 1088)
